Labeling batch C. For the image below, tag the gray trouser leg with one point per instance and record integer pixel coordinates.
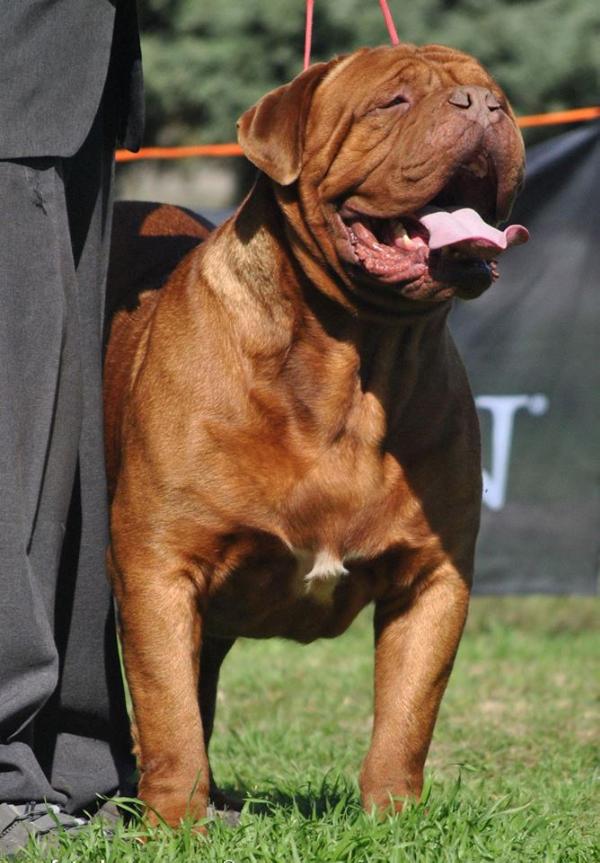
(39, 376)
(63, 731)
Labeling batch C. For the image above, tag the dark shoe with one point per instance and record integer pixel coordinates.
(231, 817)
(20, 821)
(227, 807)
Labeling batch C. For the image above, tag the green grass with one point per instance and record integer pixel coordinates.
(512, 774)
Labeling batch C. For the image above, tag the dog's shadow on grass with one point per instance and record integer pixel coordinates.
(308, 801)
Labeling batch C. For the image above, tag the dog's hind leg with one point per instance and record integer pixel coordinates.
(214, 651)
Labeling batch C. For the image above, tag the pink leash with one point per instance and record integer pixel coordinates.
(310, 5)
(389, 23)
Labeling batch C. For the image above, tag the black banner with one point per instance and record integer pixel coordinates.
(531, 346)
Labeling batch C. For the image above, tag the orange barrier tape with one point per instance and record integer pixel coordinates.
(574, 116)
(179, 152)
(577, 115)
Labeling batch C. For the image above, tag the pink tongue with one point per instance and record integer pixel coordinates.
(447, 228)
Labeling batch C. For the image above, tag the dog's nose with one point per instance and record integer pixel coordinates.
(479, 103)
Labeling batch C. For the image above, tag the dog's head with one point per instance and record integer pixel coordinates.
(395, 165)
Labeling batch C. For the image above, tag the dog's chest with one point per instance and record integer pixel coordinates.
(310, 561)
(334, 513)
(301, 594)
(312, 565)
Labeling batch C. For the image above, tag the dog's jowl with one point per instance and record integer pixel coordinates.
(290, 431)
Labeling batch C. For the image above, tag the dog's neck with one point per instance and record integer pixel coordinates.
(334, 361)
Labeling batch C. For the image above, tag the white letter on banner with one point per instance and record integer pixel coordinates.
(503, 410)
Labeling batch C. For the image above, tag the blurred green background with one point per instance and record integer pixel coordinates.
(206, 61)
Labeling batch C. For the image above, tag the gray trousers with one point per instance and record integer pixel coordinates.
(63, 728)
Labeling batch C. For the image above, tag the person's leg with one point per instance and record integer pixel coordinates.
(82, 737)
(40, 418)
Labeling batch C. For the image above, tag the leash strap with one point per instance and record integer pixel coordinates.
(389, 22)
(310, 5)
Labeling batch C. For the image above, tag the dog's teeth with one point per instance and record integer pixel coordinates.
(402, 239)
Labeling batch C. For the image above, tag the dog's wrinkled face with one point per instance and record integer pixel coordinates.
(405, 159)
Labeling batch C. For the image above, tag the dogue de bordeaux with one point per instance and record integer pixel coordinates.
(290, 431)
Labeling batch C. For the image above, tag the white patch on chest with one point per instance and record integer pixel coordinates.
(319, 573)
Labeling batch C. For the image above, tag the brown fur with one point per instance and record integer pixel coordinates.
(264, 408)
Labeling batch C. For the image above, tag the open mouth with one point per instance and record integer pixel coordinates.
(447, 243)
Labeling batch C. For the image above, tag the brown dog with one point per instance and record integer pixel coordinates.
(290, 432)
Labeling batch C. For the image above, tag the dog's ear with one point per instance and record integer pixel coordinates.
(271, 133)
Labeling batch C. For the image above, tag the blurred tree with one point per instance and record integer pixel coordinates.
(206, 61)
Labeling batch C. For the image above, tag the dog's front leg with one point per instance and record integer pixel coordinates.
(415, 650)
(160, 628)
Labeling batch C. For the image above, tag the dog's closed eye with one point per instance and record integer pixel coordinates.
(399, 99)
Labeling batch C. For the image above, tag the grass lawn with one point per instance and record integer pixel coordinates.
(512, 774)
